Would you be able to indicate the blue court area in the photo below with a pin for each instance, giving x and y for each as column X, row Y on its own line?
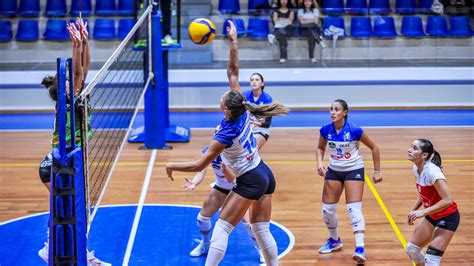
column 166, row 234
column 376, row 118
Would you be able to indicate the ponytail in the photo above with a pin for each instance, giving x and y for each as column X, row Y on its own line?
column 267, row 110
column 427, row 146
column 436, row 159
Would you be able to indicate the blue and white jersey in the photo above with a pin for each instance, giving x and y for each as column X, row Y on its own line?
column 219, row 175
column 264, row 98
column 240, row 154
column 343, row 146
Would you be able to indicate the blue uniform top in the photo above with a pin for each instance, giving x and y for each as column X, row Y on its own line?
column 264, row 98
column 343, row 146
column 240, row 153
column 221, row 180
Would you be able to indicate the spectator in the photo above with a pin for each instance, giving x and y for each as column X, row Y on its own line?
column 309, row 19
column 282, row 18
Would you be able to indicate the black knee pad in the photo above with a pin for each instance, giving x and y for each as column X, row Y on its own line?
column 434, row 251
column 45, row 168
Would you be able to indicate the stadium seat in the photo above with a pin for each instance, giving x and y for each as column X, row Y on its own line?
column 229, row 6
column 239, row 25
column 333, row 7
column 124, row 27
column 460, row 26
column 384, row 27
column 126, row 8
column 85, row 7
column 104, row 29
column 6, row 33
column 29, row 8
column 56, row 30
column 357, row 7
column 55, row 8
column 258, row 27
column 380, row 7
column 437, row 26
column 412, row 26
column 424, row 6
column 28, row 30
column 8, row 8
column 361, row 27
column 337, row 22
column 105, row 8
column 405, row 6
column 259, row 7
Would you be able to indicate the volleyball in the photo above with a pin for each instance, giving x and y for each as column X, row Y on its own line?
column 202, row 31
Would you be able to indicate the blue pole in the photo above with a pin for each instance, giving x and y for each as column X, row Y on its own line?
column 155, row 96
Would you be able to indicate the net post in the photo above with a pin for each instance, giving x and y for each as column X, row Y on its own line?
column 155, row 102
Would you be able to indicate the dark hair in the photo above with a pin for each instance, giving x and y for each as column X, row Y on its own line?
column 51, row 84
column 311, row 7
column 427, row 146
column 261, row 77
column 344, row 105
column 288, row 4
column 237, row 105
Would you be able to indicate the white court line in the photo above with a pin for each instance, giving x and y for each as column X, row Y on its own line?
column 138, row 213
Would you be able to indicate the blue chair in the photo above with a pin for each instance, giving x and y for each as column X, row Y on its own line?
column 384, row 27
column 424, row 6
column 6, row 33
column 55, row 8
column 259, row 7
column 333, row 7
column 83, row 6
column 380, row 7
column 105, row 8
column 104, row 29
column 239, row 25
column 229, row 6
column 124, row 27
column 336, row 22
column 412, row 26
column 56, row 30
column 28, row 30
column 437, row 26
column 8, row 8
column 258, row 28
column 73, row 20
column 405, row 6
column 361, row 27
column 460, row 26
column 29, row 8
column 357, row 7
column 126, row 7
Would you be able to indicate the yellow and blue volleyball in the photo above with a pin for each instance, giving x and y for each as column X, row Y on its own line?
column 202, row 31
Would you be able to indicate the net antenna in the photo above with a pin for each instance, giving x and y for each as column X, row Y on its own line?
column 110, row 103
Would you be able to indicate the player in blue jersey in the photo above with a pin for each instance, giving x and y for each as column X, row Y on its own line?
column 236, row 144
column 257, row 96
column 345, row 172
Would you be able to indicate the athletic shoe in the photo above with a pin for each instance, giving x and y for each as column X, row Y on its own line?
column 44, row 252
column 359, row 255
column 271, row 38
column 331, row 246
column 282, row 60
column 201, row 249
column 314, row 60
column 93, row 261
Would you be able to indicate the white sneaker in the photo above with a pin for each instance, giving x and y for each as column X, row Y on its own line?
column 282, row 60
column 322, row 44
column 314, row 60
column 271, row 38
column 93, row 261
column 262, row 258
column 168, row 39
column 44, row 253
column 200, row 249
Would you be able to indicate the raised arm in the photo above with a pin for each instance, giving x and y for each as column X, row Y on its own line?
column 233, row 65
column 86, row 58
column 76, row 39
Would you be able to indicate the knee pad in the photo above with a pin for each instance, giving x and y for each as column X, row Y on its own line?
column 220, row 235
column 329, row 215
column 433, row 256
column 415, row 254
column 266, row 242
column 355, row 213
column 203, row 223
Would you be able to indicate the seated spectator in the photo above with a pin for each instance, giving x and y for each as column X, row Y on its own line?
column 310, row 28
column 282, row 18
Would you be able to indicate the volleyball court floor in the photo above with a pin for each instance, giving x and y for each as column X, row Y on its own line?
column 166, row 229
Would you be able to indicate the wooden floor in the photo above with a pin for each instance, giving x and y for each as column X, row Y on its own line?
column 297, row 200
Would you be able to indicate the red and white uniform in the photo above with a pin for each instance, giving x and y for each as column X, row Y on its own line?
column 425, row 185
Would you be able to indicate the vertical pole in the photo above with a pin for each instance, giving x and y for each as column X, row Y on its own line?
column 155, row 108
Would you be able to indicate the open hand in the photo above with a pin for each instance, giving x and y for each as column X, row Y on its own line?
column 74, row 34
column 377, row 177
column 83, row 29
column 232, row 31
column 169, row 171
column 322, row 170
column 189, row 185
column 413, row 215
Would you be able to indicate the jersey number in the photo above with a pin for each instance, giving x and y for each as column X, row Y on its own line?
column 250, row 144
